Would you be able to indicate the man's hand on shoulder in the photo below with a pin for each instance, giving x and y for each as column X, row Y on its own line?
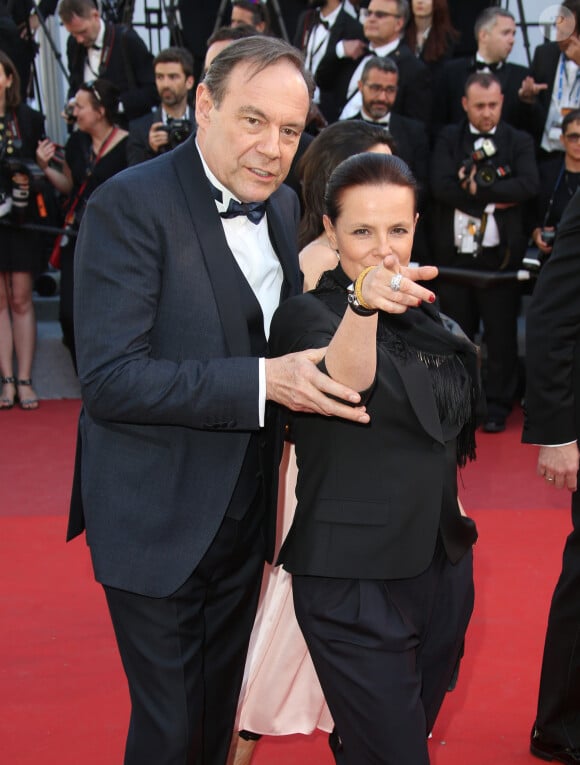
column 559, row 465
column 295, row 382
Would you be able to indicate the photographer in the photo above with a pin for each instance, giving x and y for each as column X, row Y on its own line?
column 94, row 152
column 168, row 126
column 21, row 253
column 482, row 171
column 559, row 179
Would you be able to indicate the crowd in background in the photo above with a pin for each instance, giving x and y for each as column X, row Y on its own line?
column 478, row 153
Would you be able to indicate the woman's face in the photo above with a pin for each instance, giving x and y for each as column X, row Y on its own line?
column 5, row 82
column 86, row 115
column 422, row 8
column 374, row 221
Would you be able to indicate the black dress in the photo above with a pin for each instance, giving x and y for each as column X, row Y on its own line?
column 22, row 250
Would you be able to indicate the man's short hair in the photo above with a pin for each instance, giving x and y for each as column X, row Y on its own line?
column 573, row 116
column 403, row 10
column 175, row 55
column 487, row 19
column 231, row 33
column 383, row 63
column 484, row 79
column 256, row 8
column 69, row 8
column 259, row 52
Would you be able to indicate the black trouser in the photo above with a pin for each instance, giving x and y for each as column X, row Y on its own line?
column 66, row 307
column 559, row 699
column 498, row 307
column 184, row 655
column 385, row 652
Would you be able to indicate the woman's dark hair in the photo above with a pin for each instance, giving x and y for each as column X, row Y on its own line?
column 103, row 94
column 13, row 90
column 329, row 149
column 366, row 170
column 442, row 35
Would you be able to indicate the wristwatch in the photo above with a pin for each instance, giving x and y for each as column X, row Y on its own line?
column 354, row 304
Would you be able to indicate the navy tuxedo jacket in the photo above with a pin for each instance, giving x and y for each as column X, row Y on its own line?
column 170, row 390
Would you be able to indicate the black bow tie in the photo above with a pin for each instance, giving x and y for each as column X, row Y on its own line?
column 95, row 47
column 254, row 211
column 477, row 65
column 322, row 22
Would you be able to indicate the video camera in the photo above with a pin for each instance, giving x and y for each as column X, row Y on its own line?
column 487, row 172
column 177, row 131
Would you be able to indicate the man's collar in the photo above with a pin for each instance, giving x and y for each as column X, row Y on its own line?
column 386, row 49
column 475, row 131
column 226, row 194
column 492, row 66
column 186, row 115
column 331, row 17
column 101, row 36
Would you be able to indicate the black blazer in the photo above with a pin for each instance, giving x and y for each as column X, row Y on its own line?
column 515, row 149
column 544, row 67
column 371, row 498
column 552, row 411
column 411, row 144
column 126, row 62
column 447, row 108
column 138, row 149
column 333, row 73
column 170, row 390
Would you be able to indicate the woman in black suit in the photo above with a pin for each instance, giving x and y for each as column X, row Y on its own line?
column 379, row 550
column 21, row 253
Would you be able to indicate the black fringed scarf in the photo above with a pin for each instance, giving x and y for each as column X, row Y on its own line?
column 419, row 334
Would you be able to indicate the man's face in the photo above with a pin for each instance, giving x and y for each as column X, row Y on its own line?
column 483, row 106
column 172, row 84
column 382, row 25
column 379, row 90
column 571, row 141
column 497, row 43
column 243, row 16
column 250, row 139
column 85, row 30
column 213, row 51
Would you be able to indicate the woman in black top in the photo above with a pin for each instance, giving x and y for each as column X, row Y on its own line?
column 379, row 550
column 96, row 151
column 20, row 251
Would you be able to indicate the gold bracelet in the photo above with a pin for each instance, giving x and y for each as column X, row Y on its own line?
column 358, row 288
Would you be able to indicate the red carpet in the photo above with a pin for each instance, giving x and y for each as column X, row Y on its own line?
column 63, row 699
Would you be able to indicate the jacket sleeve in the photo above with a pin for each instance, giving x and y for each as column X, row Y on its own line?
column 552, row 340
column 142, row 95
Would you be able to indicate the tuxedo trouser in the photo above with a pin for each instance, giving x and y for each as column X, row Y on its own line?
column 498, row 307
column 184, row 654
column 385, row 652
column 558, row 715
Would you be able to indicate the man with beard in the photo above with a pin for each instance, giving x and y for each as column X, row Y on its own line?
column 160, row 130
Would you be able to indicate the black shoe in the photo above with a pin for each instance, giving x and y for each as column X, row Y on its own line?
column 542, row 749
column 495, row 425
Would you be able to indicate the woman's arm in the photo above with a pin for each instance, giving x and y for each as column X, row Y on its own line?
column 351, row 357
column 61, row 179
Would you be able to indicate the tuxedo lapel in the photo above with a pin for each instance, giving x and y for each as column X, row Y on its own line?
column 282, row 238
column 214, row 248
column 417, row 382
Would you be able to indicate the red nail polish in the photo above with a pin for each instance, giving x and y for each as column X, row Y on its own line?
column 431, row 298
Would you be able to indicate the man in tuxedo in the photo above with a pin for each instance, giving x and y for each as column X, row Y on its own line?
column 378, row 87
column 249, row 13
column 384, row 22
column 495, row 32
column 553, row 86
column 552, row 418
column 111, row 51
column 482, row 172
column 181, row 263
column 163, row 129
column 327, row 24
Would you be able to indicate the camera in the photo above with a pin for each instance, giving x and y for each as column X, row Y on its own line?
column 177, row 132
column 487, row 173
